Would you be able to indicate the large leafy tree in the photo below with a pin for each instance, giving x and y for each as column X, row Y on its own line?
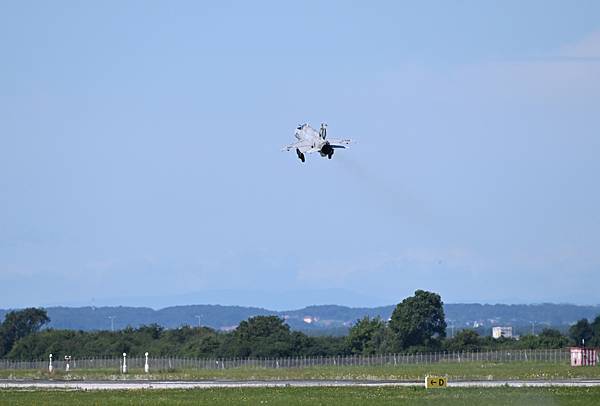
column 595, row 341
column 552, row 338
column 368, row 336
column 581, row 332
column 18, row 324
column 418, row 321
column 263, row 336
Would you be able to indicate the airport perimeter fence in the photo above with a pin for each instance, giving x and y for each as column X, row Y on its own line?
column 171, row 363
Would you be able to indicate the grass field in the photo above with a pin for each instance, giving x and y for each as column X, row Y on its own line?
column 312, row 396
column 467, row 370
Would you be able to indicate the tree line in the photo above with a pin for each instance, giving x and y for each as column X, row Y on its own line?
column 417, row 324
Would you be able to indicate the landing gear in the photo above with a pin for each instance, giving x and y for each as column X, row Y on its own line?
column 326, row 150
column 300, row 155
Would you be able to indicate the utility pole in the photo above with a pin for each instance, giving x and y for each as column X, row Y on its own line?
column 198, row 317
column 112, row 323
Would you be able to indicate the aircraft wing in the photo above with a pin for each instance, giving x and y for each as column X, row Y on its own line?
column 306, row 147
column 339, row 143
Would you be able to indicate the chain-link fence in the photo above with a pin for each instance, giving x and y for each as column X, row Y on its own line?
column 172, row 363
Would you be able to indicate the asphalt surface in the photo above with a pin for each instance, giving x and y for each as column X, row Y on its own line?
column 132, row 384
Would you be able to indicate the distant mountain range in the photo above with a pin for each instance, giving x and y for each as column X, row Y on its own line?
column 322, row 319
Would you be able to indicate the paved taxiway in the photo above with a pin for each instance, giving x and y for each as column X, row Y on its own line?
column 121, row 385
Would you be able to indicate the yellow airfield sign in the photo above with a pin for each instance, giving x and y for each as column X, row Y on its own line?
column 436, row 382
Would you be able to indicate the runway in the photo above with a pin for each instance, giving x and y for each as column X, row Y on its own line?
column 133, row 385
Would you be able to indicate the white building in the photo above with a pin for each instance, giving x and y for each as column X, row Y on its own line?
column 498, row 332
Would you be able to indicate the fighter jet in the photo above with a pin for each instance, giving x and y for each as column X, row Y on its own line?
column 311, row 140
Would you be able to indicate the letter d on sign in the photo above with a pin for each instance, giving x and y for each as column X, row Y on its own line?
column 435, row 382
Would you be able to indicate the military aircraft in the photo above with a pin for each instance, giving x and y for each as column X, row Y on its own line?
column 311, row 140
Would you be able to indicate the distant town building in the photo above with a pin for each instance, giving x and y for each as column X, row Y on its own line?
column 498, row 332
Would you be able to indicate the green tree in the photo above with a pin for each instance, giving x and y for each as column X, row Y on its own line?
column 595, row 326
column 153, row 331
column 368, row 336
column 581, row 331
column 529, row 341
column 326, row 346
column 419, row 321
column 18, row 324
column 262, row 336
column 552, row 338
column 464, row 340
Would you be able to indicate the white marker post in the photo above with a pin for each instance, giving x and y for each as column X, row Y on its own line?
column 124, row 363
column 50, row 367
column 146, row 366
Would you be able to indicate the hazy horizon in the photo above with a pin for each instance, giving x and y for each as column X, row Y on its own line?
column 168, row 302
column 296, row 300
column 140, row 152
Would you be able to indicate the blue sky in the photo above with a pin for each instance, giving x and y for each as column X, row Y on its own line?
column 140, row 153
